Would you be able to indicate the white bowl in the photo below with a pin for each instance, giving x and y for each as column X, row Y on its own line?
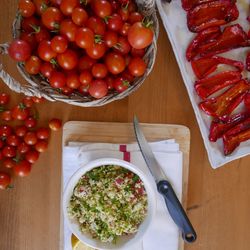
column 123, row 242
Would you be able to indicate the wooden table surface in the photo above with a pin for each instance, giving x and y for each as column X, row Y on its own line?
column 218, row 200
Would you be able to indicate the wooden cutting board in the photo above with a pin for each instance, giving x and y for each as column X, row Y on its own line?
column 112, row 132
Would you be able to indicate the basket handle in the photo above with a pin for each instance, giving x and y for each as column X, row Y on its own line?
column 14, row 84
column 148, row 7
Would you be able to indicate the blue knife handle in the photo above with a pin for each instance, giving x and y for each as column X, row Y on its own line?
column 176, row 211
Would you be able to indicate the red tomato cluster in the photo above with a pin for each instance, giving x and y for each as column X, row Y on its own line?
column 21, row 141
column 93, row 46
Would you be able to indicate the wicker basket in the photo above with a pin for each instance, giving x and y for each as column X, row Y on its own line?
column 38, row 86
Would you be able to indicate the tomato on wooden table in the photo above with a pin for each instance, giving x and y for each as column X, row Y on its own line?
column 55, row 124
column 9, row 163
column 42, row 133
column 22, row 168
column 27, row 101
column 5, row 130
column 6, row 116
column 41, row 146
column 5, row 180
column 30, row 138
column 20, row 112
column 32, row 156
column 4, row 98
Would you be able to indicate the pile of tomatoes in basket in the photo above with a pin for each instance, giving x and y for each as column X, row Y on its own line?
column 87, row 46
column 21, row 140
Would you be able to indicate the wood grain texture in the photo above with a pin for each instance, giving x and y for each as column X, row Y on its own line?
column 114, row 132
column 218, row 200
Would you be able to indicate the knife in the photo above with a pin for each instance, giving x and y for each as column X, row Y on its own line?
column 164, row 187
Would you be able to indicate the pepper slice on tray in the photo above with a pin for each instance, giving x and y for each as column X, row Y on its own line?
column 248, row 62
column 233, row 137
column 232, row 37
column 189, row 4
column 218, row 127
column 223, row 105
column 211, row 14
column 209, row 85
column 203, row 37
column 204, row 66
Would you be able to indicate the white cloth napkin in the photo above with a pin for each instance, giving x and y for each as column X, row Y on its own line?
column 163, row 233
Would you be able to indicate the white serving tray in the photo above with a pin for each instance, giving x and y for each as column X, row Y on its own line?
column 174, row 20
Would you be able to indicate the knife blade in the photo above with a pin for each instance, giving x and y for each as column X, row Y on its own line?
column 164, row 187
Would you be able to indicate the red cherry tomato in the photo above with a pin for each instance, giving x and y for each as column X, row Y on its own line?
column 43, row 133
column 115, row 5
column 115, row 63
column 121, row 84
column 97, row 25
column 137, row 66
column 22, row 168
column 30, row 138
column 45, row 51
column 67, row 6
column 26, row 8
column 68, row 60
column 137, row 52
column 84, row 38
column 30, row 122
column 41, row 34
column 9, row 163
column 21, row 130
column 46, row 69
column 33, row 65
column 4, row 98
column 84, row 89
column 28, row 23
column 101, row 8
column 37, row 99
column 125, row 28
column 98, row 89
column 13, row 140
column 122, row 45
column 109, row 81
column 41, row 6
column 27, row 101
column 124, row 13
column 85, row 77
column 127, row 76
column 59, row 44
column 99, row 70
column 5, row 130
column 79, row 16
column 9, row 151
column 110, row 38
column 85, row 62
column 140, row 36
column 6, row 116
column 68, row 29
column 135, row 17
column 23, row 148
column 41, row 146
column 19, row 50
column 51, row 18
column 32, row 156
column 67, row 90
column 57, row 79
column 72, row 81
column 55, row 124
column 114, row 22
column 20, row 112
column 4, row 180
column 132, row 6
column 96, row 51
column 29, row 38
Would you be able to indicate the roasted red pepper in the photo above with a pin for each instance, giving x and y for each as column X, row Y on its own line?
column 207, row 86
column 211, row 14
column 232, row 37
column 233, row 137
column 204, row 66
column 247, row 101
column 204, row 37
column 218, row 127
column 223, row 105
column 248, row 62
column 189, row 4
